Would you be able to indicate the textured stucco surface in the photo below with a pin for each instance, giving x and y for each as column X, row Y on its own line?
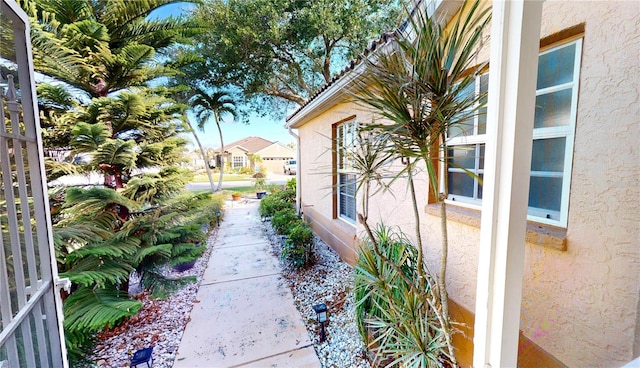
column 581, row 305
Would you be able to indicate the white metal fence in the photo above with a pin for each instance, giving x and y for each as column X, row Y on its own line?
column 29, row 304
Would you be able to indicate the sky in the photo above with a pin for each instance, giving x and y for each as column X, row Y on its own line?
column 263, row 127
column 234, row 131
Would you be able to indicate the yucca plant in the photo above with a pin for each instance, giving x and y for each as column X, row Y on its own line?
column 419, row 90
column 395, row 318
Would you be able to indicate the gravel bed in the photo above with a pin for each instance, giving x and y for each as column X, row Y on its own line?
column 329, row 281
column 159, row 323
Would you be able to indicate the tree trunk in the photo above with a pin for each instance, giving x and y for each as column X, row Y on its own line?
column 204, row 156
column 221, row 153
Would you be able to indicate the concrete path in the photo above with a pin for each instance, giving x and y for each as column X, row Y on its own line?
column 244, row 315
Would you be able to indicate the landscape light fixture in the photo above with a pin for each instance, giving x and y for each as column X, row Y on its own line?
column 321, row 314
column 142, row 358
column 218, row 215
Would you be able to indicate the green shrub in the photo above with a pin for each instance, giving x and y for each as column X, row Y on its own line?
column 271, row 204
column 291, row 184
column 298, row 249
column 287, row 195
column 284, row 220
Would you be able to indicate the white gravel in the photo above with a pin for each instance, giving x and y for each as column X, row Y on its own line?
column 329, row 281
column 161, row 323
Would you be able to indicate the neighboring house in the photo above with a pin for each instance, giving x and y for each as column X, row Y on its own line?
column 580, row 303
column 272, row 155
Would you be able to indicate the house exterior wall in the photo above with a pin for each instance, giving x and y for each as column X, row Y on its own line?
column 580, row 304
column 316, row 180
column 580, row 299
column 235, row 152
column 274, row 156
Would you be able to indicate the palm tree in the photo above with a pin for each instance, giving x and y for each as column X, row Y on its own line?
column 216, row 104
column 420, row 90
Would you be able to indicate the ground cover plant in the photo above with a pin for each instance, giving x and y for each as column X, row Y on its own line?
column 298, row 247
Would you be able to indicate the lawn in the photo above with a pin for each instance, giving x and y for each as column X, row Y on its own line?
column 244, row 191
column 202, row 178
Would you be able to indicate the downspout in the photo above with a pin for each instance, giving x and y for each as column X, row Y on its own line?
column 298, row 183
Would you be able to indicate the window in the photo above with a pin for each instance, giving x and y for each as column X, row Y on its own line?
column 554, row 126
column 238, row 161
column 345, row 137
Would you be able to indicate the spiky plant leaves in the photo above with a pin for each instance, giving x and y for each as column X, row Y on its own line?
column 54, row 98
column 153, row 189
column 56, row 169
column 116, row 153
column 420, row 90
column 95, row 200
column 92, row 309
column 162, row 251
column 88, row 137
column 395, row 319
column 169, row 151
column 185, row 252
column 161, row 286
column 113, row 247
column 102, row 272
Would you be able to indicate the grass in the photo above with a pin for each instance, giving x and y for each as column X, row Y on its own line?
column 202, row 178
column 227, row 191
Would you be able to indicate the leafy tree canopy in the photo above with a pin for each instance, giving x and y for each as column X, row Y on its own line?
column 283, row 50
column 102, row 46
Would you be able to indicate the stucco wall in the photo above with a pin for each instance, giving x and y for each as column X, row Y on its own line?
column 581, row 305
column 316, row 158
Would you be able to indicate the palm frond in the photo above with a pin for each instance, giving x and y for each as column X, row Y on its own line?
column 95, row 200
column 88, row 137
column 90, row 310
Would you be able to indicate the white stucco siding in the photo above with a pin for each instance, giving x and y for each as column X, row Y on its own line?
column 316, row 158
column 581, row 305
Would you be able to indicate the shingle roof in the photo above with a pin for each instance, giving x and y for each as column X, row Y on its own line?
column 383, row 39
column 251, row 144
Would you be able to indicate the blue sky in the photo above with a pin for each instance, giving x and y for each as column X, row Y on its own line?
column 258, row 126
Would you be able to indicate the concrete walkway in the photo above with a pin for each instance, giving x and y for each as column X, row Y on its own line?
column 244, row 315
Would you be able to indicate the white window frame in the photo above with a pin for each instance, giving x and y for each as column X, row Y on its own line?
column 345, row 144
column 474, row 139
column 559, row 218
column 242, row 161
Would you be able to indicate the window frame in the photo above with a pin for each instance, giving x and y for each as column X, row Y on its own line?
column 343, row 166
column 543, row 216
column 235, row 160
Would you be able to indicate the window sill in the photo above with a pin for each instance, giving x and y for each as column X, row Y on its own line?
column 539, row 234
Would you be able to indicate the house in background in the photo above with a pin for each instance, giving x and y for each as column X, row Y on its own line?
column 239, row 154
column 580, row 302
